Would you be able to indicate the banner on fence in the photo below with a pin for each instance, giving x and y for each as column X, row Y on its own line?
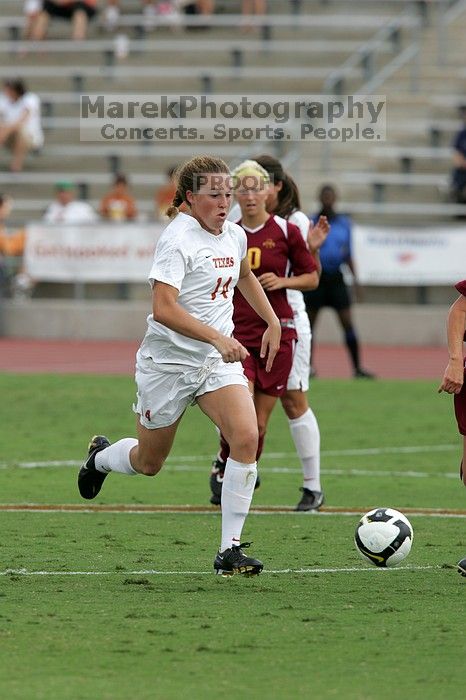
column 407, row 256
column 93, row 253
column 123, row 253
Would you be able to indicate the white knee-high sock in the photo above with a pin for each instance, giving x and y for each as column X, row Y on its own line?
column 306, row 437
column 116, row 457
column 237, row 491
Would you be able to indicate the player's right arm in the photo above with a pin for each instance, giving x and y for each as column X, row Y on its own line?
column 169, row 313
column 456, row 325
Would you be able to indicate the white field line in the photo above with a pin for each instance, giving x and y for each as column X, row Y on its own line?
column 279, row 510
column 154, row 572
column 177, row 463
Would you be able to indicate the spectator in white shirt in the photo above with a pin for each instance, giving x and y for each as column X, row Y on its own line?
column 20, row 125
column 66, row 209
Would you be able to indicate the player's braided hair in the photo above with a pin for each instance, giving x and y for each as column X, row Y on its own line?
column 186, row 178
column 288, row 195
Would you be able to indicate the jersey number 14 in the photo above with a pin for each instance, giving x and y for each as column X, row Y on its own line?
column 224, row 286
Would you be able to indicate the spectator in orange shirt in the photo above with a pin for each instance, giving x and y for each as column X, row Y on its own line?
column 12, row 244
column 119, row 204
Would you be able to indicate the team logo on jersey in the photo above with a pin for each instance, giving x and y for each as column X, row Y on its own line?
column 223, row 262
column 268, row 243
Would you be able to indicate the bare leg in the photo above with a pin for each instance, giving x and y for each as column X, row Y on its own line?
column 294, row 403
column 20, row 148
column 153, row 448
column 264, row 406
column 80, row 23
column 40, row 27
column 232, row 410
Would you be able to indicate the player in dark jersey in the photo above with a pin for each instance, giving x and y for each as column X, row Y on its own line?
column 454, row 378
column 276, row 250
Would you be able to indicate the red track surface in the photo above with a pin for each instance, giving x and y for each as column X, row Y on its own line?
column 117, row 357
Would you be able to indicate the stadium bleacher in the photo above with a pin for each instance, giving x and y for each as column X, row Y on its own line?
column 304, row 45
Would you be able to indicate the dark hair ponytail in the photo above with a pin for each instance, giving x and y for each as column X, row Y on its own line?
column 187, row 175
column 288, row 195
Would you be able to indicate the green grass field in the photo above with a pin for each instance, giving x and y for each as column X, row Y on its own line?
column 83, row 615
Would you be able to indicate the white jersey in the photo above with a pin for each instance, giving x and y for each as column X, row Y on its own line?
column 204, row 268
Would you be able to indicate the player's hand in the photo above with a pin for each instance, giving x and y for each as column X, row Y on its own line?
column 453, row 377
column 230, row 349
column 318, row 233
column 270, row 282
column 271, row 344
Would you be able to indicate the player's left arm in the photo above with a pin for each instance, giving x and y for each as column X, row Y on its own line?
column 303, row 266
column 456, row 325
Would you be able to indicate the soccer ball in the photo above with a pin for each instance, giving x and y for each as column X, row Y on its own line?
column 384, row 537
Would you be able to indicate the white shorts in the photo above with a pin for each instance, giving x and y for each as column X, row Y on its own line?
column 298, row 379
column 164, row 391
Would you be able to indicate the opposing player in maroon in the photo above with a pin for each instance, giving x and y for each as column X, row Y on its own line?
column 454, row 378
column 280, row 259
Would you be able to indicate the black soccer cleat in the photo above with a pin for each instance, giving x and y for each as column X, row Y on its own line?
column 216, row 481
column 310, row 500
column 462, row 567
column 360, row 373
column 234, row 561
column 89, row 479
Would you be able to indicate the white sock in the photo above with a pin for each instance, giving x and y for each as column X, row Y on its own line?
column 306, row 437
column 116, row 457
column 237, row 491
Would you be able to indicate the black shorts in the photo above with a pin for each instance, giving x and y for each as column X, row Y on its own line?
column 332, row 291
column 67, row 11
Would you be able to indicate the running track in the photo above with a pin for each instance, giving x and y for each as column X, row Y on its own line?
column 117, row 357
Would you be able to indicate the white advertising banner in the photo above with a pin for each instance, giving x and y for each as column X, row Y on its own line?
column 409, row 256
column 91, row 253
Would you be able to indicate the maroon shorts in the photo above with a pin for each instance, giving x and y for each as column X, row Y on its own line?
column 460, row 407
column 274, row 382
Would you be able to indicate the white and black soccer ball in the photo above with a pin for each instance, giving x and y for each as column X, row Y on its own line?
column 384, row 537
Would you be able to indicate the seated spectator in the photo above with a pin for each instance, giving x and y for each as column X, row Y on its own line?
column 20, row 125
column 32, row 10
column 459, row 162
column 66, row 209
column 164, row 195
column 119, row 204
column 78, row 12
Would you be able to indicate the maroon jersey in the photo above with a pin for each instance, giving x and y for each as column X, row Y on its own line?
column 277, row 247
column 461, row 288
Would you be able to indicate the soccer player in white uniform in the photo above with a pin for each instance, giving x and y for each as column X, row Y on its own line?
column 189, row 355
column 284, row 201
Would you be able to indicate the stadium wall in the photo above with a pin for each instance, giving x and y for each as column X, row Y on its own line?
column 382, row 324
